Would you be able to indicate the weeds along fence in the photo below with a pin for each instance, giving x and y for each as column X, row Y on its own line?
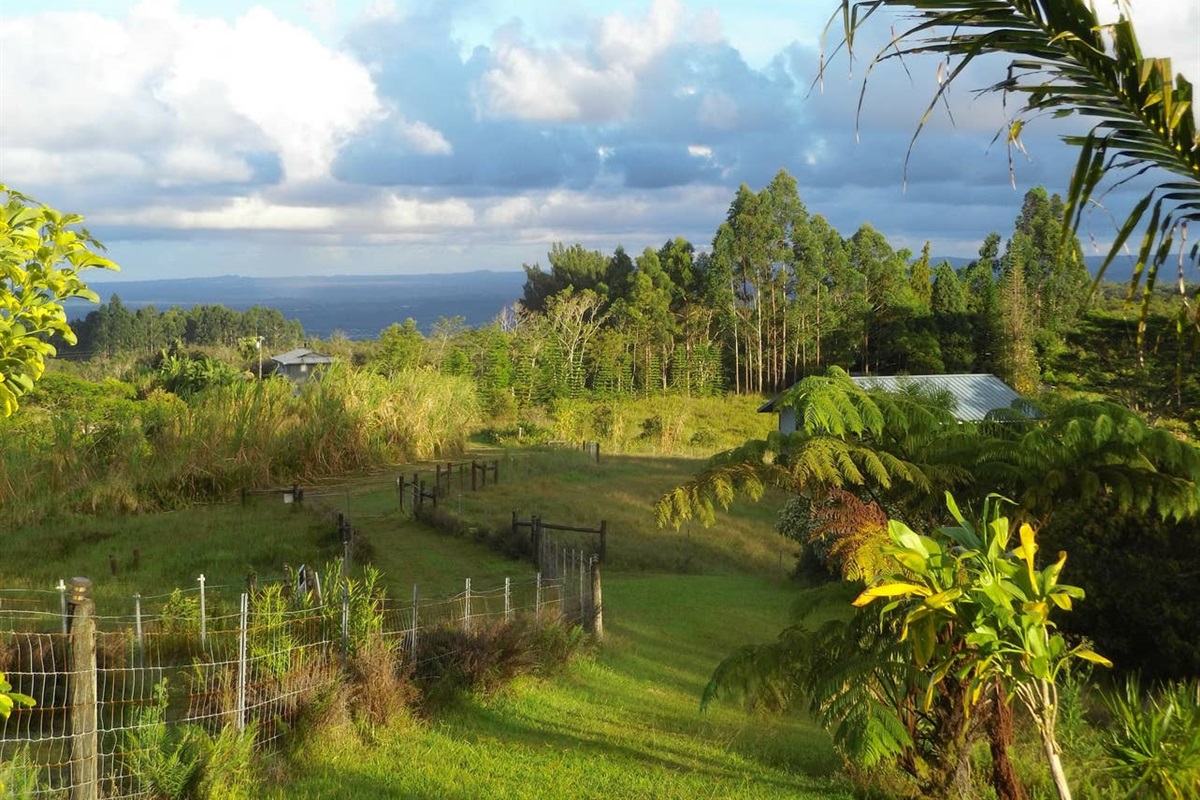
column 108, row 684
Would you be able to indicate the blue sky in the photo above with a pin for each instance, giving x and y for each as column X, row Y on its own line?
column 207, row 137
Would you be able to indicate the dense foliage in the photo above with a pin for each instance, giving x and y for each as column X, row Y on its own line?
column 42, row 252
column 114, row 329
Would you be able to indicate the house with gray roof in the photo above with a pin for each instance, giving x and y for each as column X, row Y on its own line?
column 300, row 365
column 975, row 396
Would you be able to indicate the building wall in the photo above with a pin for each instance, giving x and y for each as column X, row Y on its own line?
column 787, row 420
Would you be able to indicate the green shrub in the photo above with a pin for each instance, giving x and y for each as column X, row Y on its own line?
column 449, row 660
column 1153, row 745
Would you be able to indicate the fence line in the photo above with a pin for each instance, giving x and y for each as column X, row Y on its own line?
column 103, row 688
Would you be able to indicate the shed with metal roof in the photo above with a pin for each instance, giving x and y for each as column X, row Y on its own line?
column 301, row 364
column 975, row 395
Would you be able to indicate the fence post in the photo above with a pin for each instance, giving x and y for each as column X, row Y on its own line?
column 112, row 563
column 416, row 601
column 603, row 540
column 137, row 612
column 537, row 600
column 467, row 608
column 85, row 766
column 579, row 566
column 535, row 532
column 507, row 598
column 400, row 490
column 243, row 624
column 597, row 620
column 203, row 615
column 474, row 470
column 416, row 493
column 62, row 596
column 495, row 471
column 345, row 621
column 597, row 452
column 437, row 479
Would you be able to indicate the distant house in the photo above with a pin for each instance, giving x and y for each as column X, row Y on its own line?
column 974, row 395
column 301, row 364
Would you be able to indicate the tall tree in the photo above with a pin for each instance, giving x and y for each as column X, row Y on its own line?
column 920, row 277
column 1016, row 360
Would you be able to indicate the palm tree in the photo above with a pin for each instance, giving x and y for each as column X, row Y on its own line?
column 1066, row 62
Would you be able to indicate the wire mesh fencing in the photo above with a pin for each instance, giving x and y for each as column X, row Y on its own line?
column 108, row 689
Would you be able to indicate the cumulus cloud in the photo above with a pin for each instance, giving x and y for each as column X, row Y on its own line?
column 177, row 95
column 625, row 127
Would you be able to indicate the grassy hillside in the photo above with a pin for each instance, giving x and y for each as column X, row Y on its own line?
column 622, row 721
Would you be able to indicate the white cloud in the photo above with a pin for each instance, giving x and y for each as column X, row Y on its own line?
column 195, row 162
column 423, row 139
column 595, row 84
column 159, row 77
column 555, row 86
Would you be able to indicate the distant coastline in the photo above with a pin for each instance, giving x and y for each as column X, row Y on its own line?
column 360, row 306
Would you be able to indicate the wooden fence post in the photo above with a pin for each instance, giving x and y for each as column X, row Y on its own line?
column 85, row 766
column 474, row 470
column 597, row 605
column 400, row 490
column 416, row 504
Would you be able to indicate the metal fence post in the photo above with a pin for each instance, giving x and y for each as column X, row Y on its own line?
column 579, row 566
column 597, row 601
column 507, row 598
column 137, row 612
column 467, row 608
column 537, row 600
column 345, row 621
column 243, row 624
column 203, row 616
column 85, row 766
column 62, row 596
column 416, row 600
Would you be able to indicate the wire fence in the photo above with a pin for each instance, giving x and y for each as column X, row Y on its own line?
column 107, row 686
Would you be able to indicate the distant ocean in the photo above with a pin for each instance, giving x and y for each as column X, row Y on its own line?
column 360, row 306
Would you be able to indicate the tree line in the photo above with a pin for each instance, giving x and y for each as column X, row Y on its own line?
column 114, row 328
column 779, row 294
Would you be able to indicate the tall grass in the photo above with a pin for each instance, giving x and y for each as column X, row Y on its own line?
column 114, row 454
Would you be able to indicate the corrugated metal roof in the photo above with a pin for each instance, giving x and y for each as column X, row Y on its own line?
column 974, row 395
column 302, row 355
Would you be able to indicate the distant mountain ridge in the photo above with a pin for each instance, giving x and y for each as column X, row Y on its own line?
column 360, row 306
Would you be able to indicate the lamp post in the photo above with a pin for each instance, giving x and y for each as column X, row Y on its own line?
column 258, row 343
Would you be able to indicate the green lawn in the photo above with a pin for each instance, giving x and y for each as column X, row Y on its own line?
column 622, row 722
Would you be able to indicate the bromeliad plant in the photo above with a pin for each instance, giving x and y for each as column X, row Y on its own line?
column 978, row 612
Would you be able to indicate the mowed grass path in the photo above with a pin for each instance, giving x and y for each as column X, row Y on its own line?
column 623, row 722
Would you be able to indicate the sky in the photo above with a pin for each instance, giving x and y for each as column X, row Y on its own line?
column 294, row 137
